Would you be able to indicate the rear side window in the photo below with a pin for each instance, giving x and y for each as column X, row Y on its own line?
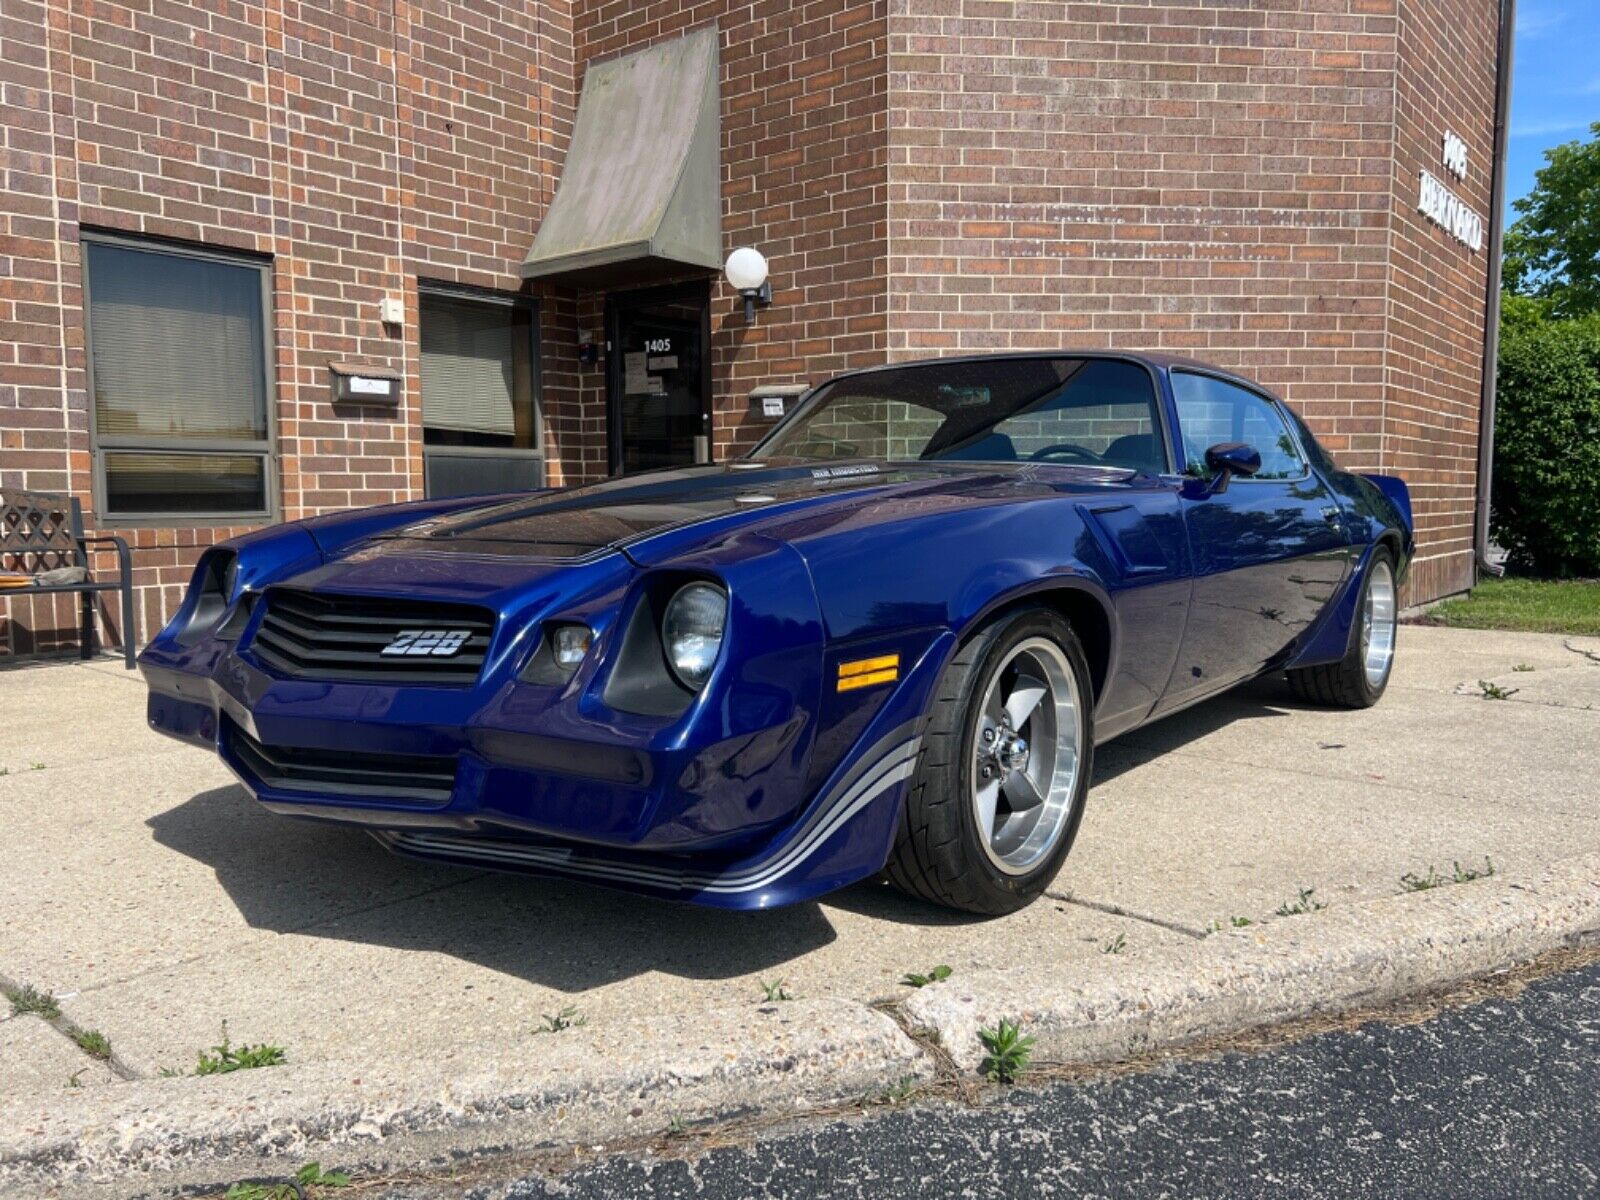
column 1212, row 410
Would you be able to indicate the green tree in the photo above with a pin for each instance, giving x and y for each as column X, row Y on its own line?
column 1552, row 250
column 1545, row 508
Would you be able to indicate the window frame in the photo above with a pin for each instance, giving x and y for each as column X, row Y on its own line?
column 438, row 289
column 1261, row 394
column 265, row 448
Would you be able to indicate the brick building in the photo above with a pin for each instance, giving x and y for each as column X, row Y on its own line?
column 260, row 260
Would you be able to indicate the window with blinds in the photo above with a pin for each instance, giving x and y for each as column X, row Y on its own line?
column 178, row 368
column 479, row 409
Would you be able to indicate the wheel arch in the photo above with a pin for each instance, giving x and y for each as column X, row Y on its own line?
column 1082, row 603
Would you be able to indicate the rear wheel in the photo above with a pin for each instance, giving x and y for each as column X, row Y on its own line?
column 1004, row 772
column 1360, row 677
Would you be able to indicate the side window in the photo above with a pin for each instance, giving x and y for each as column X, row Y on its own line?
column 1212, row 410
column 1104, row 414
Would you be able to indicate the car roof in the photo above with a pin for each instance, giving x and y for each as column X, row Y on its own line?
column 1154, row 359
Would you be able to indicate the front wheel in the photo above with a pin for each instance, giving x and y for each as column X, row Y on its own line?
column 1000, row 786
column 1360, row 677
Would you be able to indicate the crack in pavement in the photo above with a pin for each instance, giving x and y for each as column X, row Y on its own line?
column 1117, row 910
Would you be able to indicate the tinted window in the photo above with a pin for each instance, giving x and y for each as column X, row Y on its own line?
column 1096, row 412
column 1212, row 410
column 480, row 426
column 178, row 359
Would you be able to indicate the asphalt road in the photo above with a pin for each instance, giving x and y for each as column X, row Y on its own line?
column 1496, row 1100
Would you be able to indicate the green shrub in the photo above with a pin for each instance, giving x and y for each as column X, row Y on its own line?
column 1546, row 493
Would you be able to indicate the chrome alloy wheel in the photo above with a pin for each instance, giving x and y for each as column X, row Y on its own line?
column 1024, row 755
column 1378, row 623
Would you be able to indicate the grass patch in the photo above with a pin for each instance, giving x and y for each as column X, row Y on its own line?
column 28, row 999
column 916, row 979
column 1116, row 945
column 1008, row 1052
column 93, row 1043
column 1531, row 605
column 774, row 991
column 1493, row 691
column 306, row 1180
column 225, row 1057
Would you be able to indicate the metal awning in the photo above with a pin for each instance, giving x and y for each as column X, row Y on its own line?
column 640, row 194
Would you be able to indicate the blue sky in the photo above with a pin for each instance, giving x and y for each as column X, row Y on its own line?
column 1555, row 87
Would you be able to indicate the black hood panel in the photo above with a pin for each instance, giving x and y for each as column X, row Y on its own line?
column 585, row 521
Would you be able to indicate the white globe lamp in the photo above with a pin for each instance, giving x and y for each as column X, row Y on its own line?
column 746, row 271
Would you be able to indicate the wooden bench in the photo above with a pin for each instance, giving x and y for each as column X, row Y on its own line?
column 39, row 532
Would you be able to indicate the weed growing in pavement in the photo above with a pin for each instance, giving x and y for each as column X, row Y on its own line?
column 774, row 991
column 5, row 770
column 1412, row 882
column 226, row 1058
column 93, row 1043
column 29, row 999
column 1008, row 1052
column 929, row 1034
column 1493, row 691
column 1468, row 874
column 898, row 1092
column 1235, row 922
column 73, row 1079
column 677, row 1127
column 1523, row 667
column 934, row 975
column 309, row 1176
column 1304, row 904
column 1116, row 945
column 35, row 766
column 567, row 1018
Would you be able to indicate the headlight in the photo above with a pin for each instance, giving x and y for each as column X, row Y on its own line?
column 692, row 632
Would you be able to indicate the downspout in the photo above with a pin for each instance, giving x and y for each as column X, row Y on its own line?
column 1491, row 329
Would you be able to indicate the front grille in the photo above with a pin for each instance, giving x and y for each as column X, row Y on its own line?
column 407, row 778
column 308, row 635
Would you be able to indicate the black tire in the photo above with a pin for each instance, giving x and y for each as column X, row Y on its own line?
column 1345, row 684
column 938, row 855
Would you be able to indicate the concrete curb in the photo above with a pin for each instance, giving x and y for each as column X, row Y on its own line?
column 592, row 1085
column 587, row 1085
column 1339, row 958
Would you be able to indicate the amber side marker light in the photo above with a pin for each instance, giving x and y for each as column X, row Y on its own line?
column 865, row 672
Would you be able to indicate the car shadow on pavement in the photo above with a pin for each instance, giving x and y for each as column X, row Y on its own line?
column 324, row 881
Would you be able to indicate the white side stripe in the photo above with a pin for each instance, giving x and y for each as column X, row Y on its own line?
column 897, row 765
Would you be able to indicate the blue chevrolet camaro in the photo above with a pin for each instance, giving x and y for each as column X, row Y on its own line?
column 887, row 640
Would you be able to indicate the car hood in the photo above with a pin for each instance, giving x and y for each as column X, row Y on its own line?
column 634, row 513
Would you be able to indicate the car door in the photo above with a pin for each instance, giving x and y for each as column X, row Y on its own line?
column 1268, row 552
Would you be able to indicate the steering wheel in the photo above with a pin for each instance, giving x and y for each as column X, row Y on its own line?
column 1065, row 449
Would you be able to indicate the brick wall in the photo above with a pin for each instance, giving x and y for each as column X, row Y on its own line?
column 925, row 177
column 804, row 145
column 1445, row 82
column 1224, row 181
column 360, row 145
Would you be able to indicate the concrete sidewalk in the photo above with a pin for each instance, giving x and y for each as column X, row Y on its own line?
column 143, row 888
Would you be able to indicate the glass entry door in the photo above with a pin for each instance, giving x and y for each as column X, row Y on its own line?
column 658, row 377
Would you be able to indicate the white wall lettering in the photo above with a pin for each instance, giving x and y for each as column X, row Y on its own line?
column 1455, row 155
column 1448, row 211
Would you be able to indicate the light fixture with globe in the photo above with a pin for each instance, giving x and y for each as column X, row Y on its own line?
column 746, row 270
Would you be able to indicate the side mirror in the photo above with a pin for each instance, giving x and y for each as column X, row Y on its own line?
column 1227, row 459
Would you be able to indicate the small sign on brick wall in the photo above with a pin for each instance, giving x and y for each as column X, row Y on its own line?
column 355, row 383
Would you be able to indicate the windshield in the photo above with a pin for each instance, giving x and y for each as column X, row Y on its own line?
column 1090, row 411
